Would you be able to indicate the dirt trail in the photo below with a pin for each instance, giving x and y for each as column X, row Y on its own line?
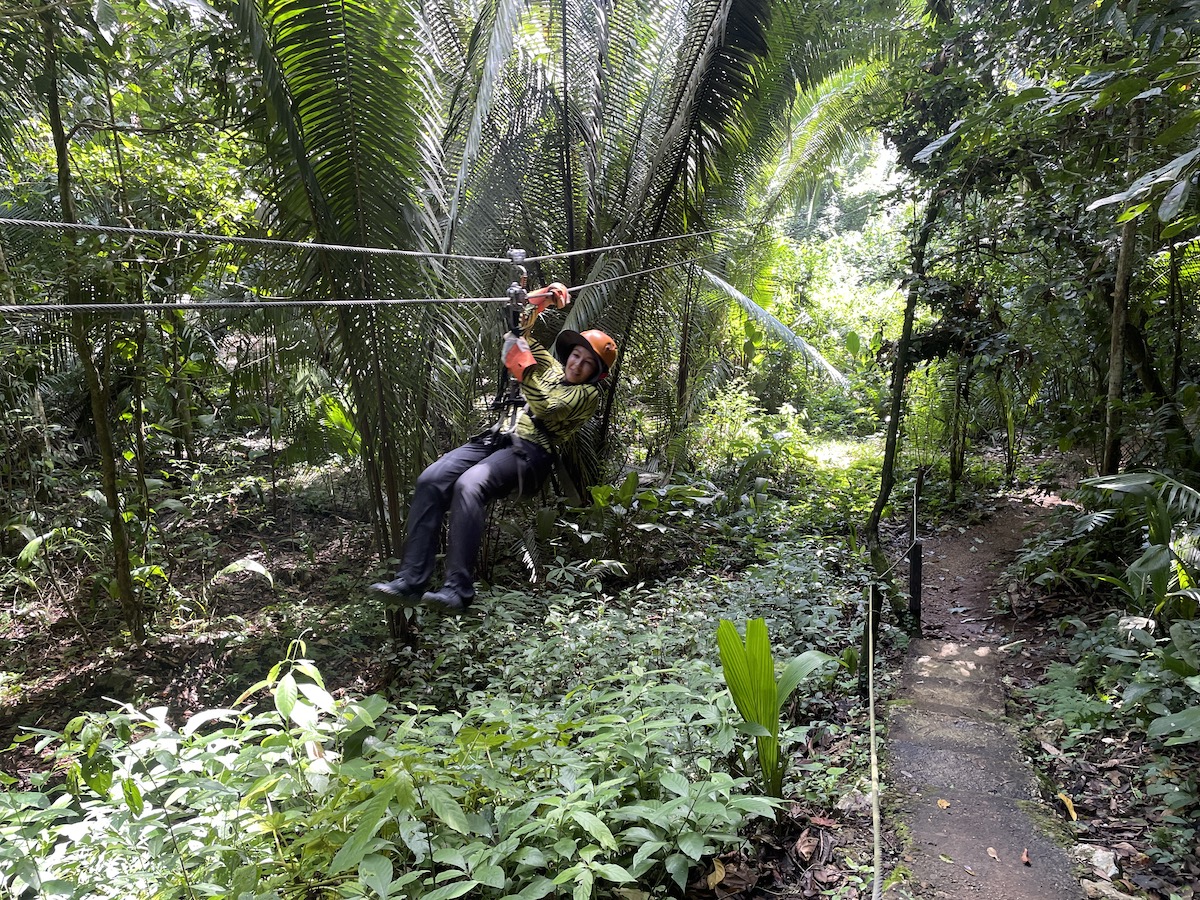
column 965, row 792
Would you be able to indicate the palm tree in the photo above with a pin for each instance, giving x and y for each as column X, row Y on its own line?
column 559, row 128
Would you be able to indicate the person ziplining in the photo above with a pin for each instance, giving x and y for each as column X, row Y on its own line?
column 552, row 395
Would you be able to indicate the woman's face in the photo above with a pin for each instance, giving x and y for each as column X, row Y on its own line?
column 580, row 367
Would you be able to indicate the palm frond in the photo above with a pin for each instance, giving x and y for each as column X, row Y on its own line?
column 773, row 325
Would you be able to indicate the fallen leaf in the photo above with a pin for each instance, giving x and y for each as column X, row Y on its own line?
column 717, row 875
column 944, row 858
column 944, row 804
column 1069, row 805
column 968, row 870
column 992, row 853
column 828, row 875
column 806, row 845
column 822, row 822
column 1025, row 857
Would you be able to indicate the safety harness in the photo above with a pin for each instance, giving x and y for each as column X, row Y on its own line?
column 510, row 402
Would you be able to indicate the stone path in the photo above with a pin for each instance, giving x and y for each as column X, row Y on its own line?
column 966, row 794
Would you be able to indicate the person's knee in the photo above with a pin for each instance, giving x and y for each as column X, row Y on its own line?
column 472, row 488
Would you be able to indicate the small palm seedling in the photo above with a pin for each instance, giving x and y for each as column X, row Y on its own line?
column 750, row 675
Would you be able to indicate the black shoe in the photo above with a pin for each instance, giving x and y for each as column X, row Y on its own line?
column 397, row 592
column 447, row 601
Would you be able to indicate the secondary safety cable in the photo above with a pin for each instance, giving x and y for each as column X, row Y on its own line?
column 276, row 243
column 26, row 308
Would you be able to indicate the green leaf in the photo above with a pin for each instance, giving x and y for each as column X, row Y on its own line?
column 318, row 696
column 612, row 872
column 489, row 876
column 675, row 782
column 1187, row 721
column 447, row 809
column 677, row 865
column 245, row 564
column 591, row 823
column 450, row 891
column 133, row 796
column 799, row 669
column 30, row 551
column 375, row 871
column 354, row 850
column 584, row 881
column 286, row 693
column 536, row 889
column 1174, row 199
column 96, row 772
column 1133, row 212
column 692, row 844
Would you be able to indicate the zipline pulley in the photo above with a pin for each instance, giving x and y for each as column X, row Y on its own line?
column 508, row 389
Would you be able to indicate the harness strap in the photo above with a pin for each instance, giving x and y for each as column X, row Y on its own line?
column 563, row 481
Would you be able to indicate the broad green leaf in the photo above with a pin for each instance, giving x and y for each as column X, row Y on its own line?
column 677, row 865
column 354, row 850
column 760, row 806
column 1133, row 212
column 536, row 889
column 799, row 669
column 318, row 696
column 927, row 152
column 584, row 882
column 447, row 809
column 612, row 872
column 450, row 891
column 30, row 551
column 692, row 844
column 675, row 782
column 1187, row 722
column 133, row 796
column 375, row 871
column 591, row 823
column 245, row 564
column 286, row 693
column 200, row 719
column 489, row 876
column 96, row 772
column 1174, row 199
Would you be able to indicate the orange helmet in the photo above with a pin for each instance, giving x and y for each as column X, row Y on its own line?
column 604, row 347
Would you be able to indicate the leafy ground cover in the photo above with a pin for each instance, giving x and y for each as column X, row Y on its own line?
column 571, row 736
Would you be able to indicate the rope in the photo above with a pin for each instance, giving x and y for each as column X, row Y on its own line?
column 247, row 241
column 27, row 308
column 333, row 248
column 645, row 243
column 236, row 304
column 684, row 262
column 876, row 823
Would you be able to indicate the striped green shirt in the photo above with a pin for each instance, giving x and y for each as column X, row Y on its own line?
column 560, row 406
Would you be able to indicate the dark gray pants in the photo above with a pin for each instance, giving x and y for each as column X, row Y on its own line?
column 465, row 481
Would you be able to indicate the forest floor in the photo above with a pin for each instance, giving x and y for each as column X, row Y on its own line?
column 995, row 774
column 322, row 565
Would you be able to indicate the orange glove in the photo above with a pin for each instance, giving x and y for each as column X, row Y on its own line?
column 554, row 294
column 517, row 356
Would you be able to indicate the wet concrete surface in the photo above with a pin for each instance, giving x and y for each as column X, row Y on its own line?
column 965, row 792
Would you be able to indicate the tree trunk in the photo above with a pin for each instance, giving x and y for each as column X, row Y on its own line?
column 1111, row 463
column 958, row 423
column 131, row 606
column 899, row 373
